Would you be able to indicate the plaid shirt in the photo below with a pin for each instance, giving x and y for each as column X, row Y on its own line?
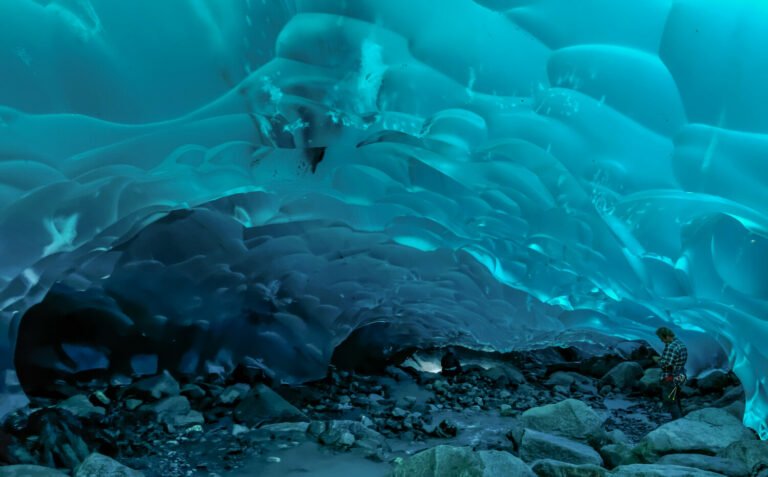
column 673, row 359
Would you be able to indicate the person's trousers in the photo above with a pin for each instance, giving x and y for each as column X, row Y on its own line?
column 671, row 396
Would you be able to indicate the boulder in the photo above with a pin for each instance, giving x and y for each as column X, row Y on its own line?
column 707, row 431
column 650, row 383
column 715, row 381
column 80, row 406
column 29, row 471
column 732, row 394
column 653, row 470
column 736, row 409
column 720, row 465
column 174, row 410
column 624, row 376
column 344, row 434
column 450, row 461
column 561, row 378
column 234, row 393
column 155, row 387
column 750, row 452
column 597, row 366
column 504, row 375
column 554, row 468
column 569, row 418
column 263, row 406
column 193, row 391
column 618, row 454
column 98, row 465
column 60, row 437
column 538, row 445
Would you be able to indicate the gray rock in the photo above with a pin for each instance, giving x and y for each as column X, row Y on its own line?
column 624, row 376
column 618, row 454
column 192, row 391
column 707, row 431
column 720, row 465
column 287, row 427
column 347, row 439
column 732, row 394
column 102, row 398
column 315, row 428
column 156, row 387
column 449, row 461
column 617, row 436
column 80, row 406
column 650, row 383
column 334, row 433
column 98, row 465
column 132, row 404
column 29, row 471
column 560, row 378
column 504, row 375
column 652, row 470
column 263, row 406
column 714, row 381
column 171, row 405
column 234, row 393
column 751, row 452
column 554, row 468
column 736, row 409
column 192, row 418
column 538, row 445
column 174, row 410
column 569, row 418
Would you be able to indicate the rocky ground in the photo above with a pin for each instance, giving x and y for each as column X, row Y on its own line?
column 551, row 412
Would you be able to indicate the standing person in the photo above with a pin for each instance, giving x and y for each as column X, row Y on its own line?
column 450, row 364
column 672, row 363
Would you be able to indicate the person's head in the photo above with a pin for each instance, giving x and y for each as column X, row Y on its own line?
column 665, row 334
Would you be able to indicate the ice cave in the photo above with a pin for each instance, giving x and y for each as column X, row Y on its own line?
column 211, row 204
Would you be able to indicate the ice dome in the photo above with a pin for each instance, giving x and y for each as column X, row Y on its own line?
column 229, row 178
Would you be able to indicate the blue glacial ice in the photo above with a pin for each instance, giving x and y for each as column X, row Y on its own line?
column 262, row 178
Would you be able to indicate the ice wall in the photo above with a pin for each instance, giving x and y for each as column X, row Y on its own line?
column 601, row 162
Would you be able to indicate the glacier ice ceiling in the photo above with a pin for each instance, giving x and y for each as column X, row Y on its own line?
column 210, row 179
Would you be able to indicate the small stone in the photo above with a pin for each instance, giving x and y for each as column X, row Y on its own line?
column 238, row 429
column 273, row 460
column 192, row 391
column 234, row 393
column 98, row 465
column 132, row 404
column 80, row 406
column 316, row 428
column 347, row 439
column 102, row 398
column 506, row 410
column 157, row 386
column 397, row 412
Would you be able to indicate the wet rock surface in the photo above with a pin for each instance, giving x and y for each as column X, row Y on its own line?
column 554, row 412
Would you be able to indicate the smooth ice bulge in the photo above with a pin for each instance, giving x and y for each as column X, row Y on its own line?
column 490, row 172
